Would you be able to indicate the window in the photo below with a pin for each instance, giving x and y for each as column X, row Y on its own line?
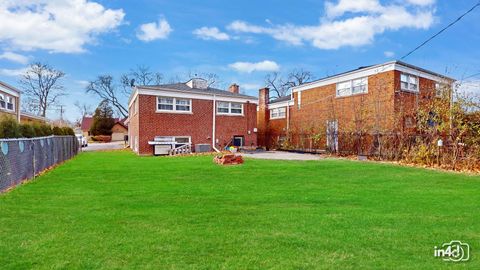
column 223, row 107
column 10, row 103
column 229, row 108
column 168, row 104
column 352, row 87
column 440, row 89
column 409, row 82
column 236, row 108
column 278, row 113
column 183, row 105
column 2, row 102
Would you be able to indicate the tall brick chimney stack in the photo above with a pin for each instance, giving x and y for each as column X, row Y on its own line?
column 234, row 88
column 263, row 116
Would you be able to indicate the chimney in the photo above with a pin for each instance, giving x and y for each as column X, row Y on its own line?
column 263, row 97
column 234, row 88
column 263, row 117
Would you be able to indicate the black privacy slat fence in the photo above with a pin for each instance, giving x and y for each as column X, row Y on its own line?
column 23, row 159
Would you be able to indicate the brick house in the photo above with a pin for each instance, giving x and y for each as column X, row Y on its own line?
column 9, row 101
column 192, row 113
column 119, row 129
column 323, row 114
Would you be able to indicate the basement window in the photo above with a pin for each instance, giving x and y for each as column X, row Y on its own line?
column 278, row 113
column 409, row 82
column 229, row 108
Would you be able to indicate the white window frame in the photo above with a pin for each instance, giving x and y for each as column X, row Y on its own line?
column 229, row 108
column 409, row 83
column 349, row 90
column 2, row 98
column 9, row 100
column 276, row 113
column 174, row 105
column 440, row 88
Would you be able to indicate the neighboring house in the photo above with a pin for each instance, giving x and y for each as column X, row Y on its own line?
column 119, row 130
column 85, row 125
column 29, row 118
column 323, row 114
column 192, row 113
column 9, row 101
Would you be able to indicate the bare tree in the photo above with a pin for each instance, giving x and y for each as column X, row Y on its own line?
column 105, row 88
column 141, row 75
column 84, row 108
column 275, row 83
column 43, row 87
column 281, row 86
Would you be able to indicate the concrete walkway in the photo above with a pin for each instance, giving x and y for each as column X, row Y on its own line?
column 104, row 146
column 281, row 155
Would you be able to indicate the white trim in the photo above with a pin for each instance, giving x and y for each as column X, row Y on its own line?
column 351, row 88
column 174, row 106
column 417, row 83
column 369, row 71
column 280, row 104
column 229, row 109
column 278, row 117
column 9, row 90
column 206, row 96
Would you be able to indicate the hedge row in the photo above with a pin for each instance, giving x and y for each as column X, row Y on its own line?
column 10, row 128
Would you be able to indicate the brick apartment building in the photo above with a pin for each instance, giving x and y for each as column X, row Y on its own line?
column 10, row 106
column 378, row 99
column 9, row 101
column 172, row 115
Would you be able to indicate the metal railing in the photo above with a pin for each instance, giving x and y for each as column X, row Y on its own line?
column 184, row 149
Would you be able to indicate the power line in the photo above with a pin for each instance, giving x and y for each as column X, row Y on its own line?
column 439, row 32
column 470, row 76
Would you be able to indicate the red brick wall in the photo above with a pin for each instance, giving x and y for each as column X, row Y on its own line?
column 366, row 112
column 198, row 124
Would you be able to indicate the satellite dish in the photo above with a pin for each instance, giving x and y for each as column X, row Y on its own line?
column 132, row 82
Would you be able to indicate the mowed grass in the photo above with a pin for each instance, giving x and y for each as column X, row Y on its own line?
column 116, row 210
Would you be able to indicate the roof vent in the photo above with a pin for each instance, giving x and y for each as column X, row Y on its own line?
column 198, row 83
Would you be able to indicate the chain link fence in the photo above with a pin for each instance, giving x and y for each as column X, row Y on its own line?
column 23, row 159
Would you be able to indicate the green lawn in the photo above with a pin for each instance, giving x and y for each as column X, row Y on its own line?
column 116, row 210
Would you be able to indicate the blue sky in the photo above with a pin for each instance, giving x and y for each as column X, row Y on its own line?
column 241, row 41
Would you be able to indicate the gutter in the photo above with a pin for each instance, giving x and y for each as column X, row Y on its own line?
column 214, row 124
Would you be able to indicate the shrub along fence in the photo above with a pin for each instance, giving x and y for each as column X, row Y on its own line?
column 23, row 159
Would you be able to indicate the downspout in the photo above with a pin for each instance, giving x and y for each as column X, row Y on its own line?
column 214, row 124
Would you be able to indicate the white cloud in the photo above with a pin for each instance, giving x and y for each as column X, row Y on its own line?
column 422, row 2
column 389, row 54
column 251, row 86
column 208, row 33
column 250, row 67
column 372, row 18
column 55, row 25
column 14, row 57
column 471, row 87
column 13, row 72
column 334, row 10
column 155, row 30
